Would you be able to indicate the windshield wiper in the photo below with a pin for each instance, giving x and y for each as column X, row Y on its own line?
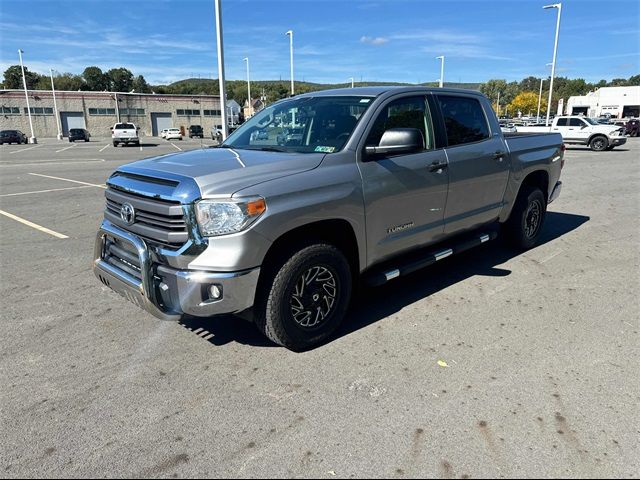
column 270, row 149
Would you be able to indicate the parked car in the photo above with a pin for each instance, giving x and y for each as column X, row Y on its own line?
column 371, row 191
column 12, row 136
column 579, row 130
column 633, row 127
column 508, row 127
column 163, row 132
column 173, row 134
column 124, row 133
column 79, row 134
column 196, row 131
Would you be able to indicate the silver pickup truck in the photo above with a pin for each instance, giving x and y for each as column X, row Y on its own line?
column 380, row 182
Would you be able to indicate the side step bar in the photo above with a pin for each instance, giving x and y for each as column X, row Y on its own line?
column 382, row 276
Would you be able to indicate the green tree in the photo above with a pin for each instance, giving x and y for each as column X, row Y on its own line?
column 69, row 82
column 618, row 82
column 140, row 85
column 120, row 79
column 13, row 78
column 95, row 79
column 634, row 81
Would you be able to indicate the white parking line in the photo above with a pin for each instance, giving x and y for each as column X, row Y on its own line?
column 7, row 164
column 104, row 147
column 44, row 191
column 175, row 146
column 67, row 148
column 23, row 150
column 68, row 180
column 32, row 225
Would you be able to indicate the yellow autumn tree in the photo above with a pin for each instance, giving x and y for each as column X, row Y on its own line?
column 527, row 104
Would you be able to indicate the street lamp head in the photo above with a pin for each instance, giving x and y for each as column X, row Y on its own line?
column 289, row 32
column 246, row 59
column 555, row 5
column 441, row 57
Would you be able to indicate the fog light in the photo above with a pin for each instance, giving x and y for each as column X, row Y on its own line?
column 215, row 292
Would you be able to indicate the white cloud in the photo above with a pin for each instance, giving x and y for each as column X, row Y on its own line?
column 374, row 41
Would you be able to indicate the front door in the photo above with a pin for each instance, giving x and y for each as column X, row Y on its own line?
column 478, row 164
column 404, row 194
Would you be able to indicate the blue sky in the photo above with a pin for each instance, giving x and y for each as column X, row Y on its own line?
column 333, row 40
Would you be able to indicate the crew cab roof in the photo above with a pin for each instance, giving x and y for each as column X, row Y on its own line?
column 376, row 91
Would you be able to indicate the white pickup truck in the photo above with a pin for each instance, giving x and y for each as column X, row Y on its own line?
column 581, row 130
column 124, row 133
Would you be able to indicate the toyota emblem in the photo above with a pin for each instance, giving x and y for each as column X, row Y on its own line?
column 127, row 213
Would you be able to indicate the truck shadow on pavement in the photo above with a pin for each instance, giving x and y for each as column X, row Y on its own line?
column 375, row 304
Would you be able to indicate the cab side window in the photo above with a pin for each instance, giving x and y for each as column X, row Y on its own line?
column 409, row 112
column 576, row 122
column 562, row 122
column 464, row 119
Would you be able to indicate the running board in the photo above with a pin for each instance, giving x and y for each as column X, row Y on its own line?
column 381, row 276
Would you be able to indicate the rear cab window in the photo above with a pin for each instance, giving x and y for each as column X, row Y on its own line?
column 124, row 126
column 464, row 119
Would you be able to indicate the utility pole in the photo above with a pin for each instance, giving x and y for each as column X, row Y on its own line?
column 290, row 33
column 223, row 92
column 250, row 109
column 55, row 105
column 555, row 53
column 32, row 139
column 441, row 57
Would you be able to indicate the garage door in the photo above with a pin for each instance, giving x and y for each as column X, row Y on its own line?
column 160, row 121
column 71, row 120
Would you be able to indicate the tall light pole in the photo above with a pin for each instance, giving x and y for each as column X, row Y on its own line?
column 26, row 95
column 55, row 105
column 223, row 92
column 498, row 105
column 540, row 96
column 250, row 109
column 290, row 33
column 555, row 52
column 441, row 58
column 351, row 81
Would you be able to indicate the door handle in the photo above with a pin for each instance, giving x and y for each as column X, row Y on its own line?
column 435, row 166
column 498, row 156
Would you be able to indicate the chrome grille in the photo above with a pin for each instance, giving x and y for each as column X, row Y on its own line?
column 158, row 221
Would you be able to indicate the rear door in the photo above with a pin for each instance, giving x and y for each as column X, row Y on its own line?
column 478, row 163
column 567, row 127
column 404, row 193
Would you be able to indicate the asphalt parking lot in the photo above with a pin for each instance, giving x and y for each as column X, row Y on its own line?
column 541, row 350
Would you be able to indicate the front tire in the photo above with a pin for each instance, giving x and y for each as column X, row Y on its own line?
column 527, row 217
column 599, row 143
column 304, row 297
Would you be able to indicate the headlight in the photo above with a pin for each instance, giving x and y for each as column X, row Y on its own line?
column 221, row 217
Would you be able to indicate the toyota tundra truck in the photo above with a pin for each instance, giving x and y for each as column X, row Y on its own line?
column 382, row 181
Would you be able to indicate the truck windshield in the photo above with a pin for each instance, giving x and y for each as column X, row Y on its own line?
column 302, row 125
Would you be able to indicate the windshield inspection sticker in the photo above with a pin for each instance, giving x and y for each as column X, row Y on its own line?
column 325, row 149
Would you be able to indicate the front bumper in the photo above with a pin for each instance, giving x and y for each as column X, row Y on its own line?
column 617, row 141
column 165, row 292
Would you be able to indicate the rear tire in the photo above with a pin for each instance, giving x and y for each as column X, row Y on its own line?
column 115, row 144
column 304, row 296
column 527, row 217
column 599, row 143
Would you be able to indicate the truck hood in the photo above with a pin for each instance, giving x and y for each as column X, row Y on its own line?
column 605, row 129
column 224, row 171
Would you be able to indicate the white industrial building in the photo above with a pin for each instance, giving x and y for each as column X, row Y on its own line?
column 617, row 102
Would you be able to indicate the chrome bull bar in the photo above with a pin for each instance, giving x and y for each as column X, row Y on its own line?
column 141, row 291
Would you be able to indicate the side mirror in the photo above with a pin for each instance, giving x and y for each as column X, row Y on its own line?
column 398, row 140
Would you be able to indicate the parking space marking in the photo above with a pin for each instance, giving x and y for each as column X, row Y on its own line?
column 66, row 148
column 68, row 180
column 8, row 164
column 104, row 147
column 175, row 146
column 23, row 150
column 32, row 225
column 44, row 191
